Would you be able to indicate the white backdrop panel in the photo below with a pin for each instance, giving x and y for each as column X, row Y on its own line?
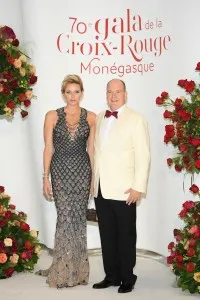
column 100, row 41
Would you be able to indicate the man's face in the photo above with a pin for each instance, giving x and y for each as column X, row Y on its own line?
column 116, row 95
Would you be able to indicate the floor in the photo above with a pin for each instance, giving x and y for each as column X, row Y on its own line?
column 155, row 281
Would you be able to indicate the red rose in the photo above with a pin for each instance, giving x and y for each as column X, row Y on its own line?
column 190, row 267
column 24, row 226
column 14, row 84
column 184, row 114
column 170, row 133
column 28, row 254
column 192, row 242
column 171, row 245
column 188, row 204
column 197, row 234
column 178, row 102
column 198, row 111
column 174, row 118
column 11, row 60
column 15, row 42
column 24, row 113
column 167, row 114
column 179, row 133
column 176, row 232
column 186, row 159
column 191, row 252
column 12, row 206
column 8, row 214
column 2, row 223
column 8, row 75
column 10, row 104
column 28, row 245
column 22, row 97
column 169, row 161
column 159, row 100
column 189, row 86
column 183, row 148
column 6, row 90
column 167, row 139
column 8, row 272
column 195, row 154
column 183, row 213
column 33, row 79
column 164, row 94
column 7, row 33
column 21, row 214
column 178, row 168
column 197, row 164
column 195, row 142
column 23, row 255
column 182, row 83
column 27, row 103
column 169, row 128
column 179, row 258
column 198, row 67
column 194, row 189
column 170, row 260
column 2, row 189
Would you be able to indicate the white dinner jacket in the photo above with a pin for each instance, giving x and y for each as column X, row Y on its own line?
column 124, row 159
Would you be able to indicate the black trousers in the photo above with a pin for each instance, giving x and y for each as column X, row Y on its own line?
column 117, row 227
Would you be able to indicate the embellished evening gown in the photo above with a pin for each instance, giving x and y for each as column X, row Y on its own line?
column 70, row 178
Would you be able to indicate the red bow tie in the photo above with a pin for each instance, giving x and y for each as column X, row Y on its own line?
column 111, row 113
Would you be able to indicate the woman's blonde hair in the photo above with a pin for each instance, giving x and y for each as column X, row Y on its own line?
column 72, row 78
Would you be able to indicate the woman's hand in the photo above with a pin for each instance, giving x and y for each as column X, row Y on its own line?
column 47, row 192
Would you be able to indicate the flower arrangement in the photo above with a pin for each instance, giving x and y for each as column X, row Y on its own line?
column 184, row 258
column 16, row 75
column 19, row 246
column 183, row 132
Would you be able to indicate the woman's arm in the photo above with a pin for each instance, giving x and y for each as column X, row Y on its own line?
column 50, row 120
column 90, row 147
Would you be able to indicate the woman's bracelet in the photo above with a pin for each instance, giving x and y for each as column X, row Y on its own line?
column 45, row 175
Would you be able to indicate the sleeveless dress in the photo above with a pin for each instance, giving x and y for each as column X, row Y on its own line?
column 70, row 177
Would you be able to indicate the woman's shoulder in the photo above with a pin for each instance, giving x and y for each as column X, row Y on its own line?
column 91, row 114
column 91, row 117
column 52, row 115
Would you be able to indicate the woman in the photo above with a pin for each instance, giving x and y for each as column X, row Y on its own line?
column 68, row 156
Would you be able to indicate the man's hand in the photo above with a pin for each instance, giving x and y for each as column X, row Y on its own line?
column 133, row 196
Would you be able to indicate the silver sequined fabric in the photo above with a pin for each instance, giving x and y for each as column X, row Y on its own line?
column 70, row 177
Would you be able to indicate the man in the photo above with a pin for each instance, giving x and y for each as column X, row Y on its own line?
column 121, row 167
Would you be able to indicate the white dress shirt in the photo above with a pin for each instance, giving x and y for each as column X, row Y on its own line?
column 108, row 123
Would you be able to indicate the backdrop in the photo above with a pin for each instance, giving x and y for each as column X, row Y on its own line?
column 148, row 44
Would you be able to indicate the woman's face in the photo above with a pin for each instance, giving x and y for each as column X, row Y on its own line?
column 72, row 94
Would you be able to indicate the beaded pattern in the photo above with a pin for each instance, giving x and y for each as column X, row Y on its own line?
column 70, row 177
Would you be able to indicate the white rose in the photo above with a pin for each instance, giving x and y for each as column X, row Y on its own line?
column 37, row 250
column 34, row 233
column 23, row 58
column 8, row 242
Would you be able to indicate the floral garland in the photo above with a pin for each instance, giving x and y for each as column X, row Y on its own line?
column 19, row 246
column 183, row 133
column 16, row 75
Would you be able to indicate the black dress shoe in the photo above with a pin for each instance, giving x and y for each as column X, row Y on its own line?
column 127, row 287
column 104, row 284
